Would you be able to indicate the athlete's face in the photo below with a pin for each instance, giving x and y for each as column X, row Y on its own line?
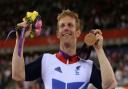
column 67, row 30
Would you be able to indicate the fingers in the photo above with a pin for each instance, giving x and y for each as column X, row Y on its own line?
column 23, row 20
column 99, row 37
column 22, row 24
column 96, row 31
column 99, row 34
column 27, row 27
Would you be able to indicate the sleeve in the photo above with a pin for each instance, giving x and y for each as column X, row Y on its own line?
column 33, row 70
column 96, row 77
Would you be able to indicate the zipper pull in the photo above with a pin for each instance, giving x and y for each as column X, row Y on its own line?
column 67, row 61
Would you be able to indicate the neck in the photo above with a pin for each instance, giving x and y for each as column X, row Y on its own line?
column 68, row 49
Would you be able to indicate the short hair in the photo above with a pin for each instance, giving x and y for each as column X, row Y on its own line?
column 71, row 14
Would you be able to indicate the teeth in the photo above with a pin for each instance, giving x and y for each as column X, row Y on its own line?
column 66, row 34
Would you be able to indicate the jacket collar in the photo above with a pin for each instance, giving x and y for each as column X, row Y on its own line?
column 66, row 59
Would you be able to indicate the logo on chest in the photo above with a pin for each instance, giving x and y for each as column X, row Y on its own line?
column 58, row 69
column 77, row 70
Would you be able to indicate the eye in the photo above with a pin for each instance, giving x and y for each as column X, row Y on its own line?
column 62, row 25
column 70, row 25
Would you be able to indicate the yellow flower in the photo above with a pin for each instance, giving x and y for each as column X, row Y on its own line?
column 29, row 14
column 32, row 15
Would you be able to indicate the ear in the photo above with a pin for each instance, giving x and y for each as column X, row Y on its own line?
column 78, row 33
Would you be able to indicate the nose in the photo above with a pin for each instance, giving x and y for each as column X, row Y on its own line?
column 66, row 30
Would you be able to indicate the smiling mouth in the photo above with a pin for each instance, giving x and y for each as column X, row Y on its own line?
column 66, row 34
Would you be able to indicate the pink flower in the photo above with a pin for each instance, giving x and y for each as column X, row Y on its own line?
column 38, row 27
column 38, row 24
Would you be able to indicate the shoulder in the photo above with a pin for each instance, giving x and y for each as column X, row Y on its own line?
column 48, row 56
column 88, row 64
column 88, row 61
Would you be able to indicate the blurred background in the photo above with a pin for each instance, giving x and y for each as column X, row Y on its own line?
column 111, row 16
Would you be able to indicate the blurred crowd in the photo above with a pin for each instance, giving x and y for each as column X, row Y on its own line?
column 93, row 13
column 103, row 14
column 5, row 71
column 117, row 55
column 6, row 81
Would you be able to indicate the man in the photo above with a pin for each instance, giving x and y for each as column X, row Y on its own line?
column 65, row 70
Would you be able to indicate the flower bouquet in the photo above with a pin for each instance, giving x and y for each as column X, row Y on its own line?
column 33, row 19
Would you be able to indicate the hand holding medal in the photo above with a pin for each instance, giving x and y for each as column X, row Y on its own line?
column 91, row 39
